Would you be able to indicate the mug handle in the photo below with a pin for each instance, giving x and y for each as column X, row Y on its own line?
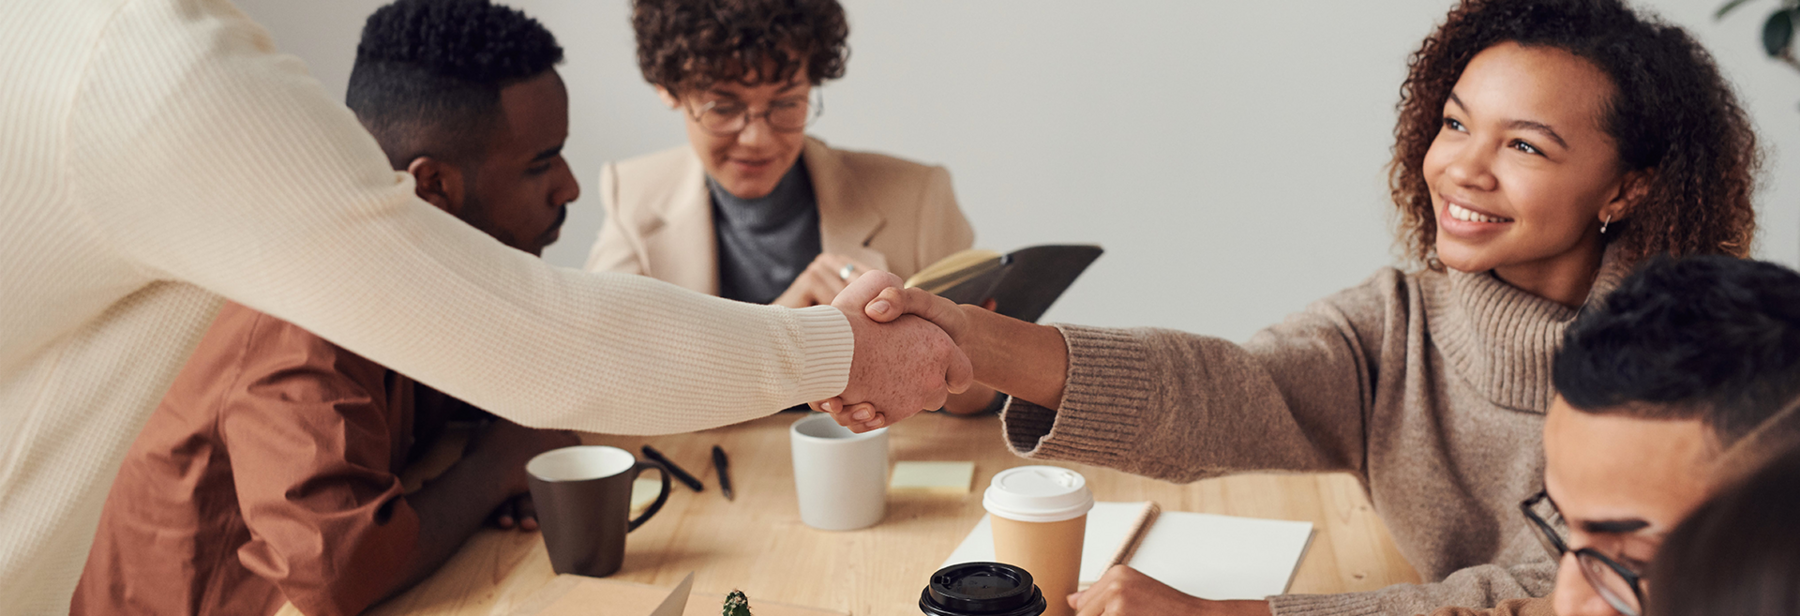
column 639, row 469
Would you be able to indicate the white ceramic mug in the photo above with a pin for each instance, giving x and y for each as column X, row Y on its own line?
column 840, row 476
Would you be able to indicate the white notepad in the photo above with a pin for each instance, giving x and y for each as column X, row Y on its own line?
column 1209, row 556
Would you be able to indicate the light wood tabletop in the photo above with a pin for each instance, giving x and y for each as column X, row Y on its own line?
column 758, row 544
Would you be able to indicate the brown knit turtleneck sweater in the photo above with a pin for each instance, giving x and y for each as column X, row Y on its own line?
column 1431, row 388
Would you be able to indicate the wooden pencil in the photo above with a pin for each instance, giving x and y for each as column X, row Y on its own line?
column 1138, row 530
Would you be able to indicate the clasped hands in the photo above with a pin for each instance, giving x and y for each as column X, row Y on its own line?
column 910, row 357
column 906, row 356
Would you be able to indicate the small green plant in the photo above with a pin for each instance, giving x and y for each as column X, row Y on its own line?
column 736, row 604
column 1777, row 31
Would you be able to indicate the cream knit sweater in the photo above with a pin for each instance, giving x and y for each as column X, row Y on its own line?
column 157, row 155
column 1430, row 388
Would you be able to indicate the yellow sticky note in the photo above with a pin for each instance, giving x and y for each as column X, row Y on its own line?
column 643, row 492
column 936, row 478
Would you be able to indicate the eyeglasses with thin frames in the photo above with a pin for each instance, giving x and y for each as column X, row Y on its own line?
column 1618, row 585
column 726, row 118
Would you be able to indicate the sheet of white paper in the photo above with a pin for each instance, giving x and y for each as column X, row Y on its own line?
column 1222, row 557
column 676, row 602
column 1205, row 555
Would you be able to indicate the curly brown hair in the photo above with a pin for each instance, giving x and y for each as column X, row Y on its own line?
column 688, row 45
column 1671, row 113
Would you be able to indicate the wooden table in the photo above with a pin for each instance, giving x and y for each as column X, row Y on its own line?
column 758, row 544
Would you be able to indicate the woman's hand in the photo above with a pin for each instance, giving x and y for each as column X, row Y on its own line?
column 821, row 281
column 1123, row 591
column 892, row 303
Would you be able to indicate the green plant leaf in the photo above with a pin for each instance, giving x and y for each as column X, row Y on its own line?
column 1727, row 8
column 1778, row 33
column 736, row 604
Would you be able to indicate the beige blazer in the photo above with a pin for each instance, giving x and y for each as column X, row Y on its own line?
column 886, row 212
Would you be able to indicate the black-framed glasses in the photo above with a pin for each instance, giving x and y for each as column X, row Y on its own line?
column 1618, row 585
column 724, row 118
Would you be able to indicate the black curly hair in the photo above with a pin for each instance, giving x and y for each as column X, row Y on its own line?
column 689, row 45
column 1672, row 113
column 1708, row 337
column 428, row 74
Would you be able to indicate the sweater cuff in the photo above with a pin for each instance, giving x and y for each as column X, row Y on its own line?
column 1106, row 389
column 826, row 348
column 1351, row 604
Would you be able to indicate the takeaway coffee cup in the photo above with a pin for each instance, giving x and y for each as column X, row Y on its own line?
column 981, row 589
column 1039, row 515
column 840, row 476
column 583, row 498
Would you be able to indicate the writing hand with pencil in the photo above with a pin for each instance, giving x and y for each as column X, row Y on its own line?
column 1123, row 591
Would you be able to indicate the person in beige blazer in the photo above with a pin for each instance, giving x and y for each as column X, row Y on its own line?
column 754, row 209
column 875, row 212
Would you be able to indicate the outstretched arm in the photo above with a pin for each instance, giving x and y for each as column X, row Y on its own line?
column 203, row 156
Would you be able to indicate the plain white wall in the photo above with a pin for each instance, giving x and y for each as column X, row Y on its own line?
column 1228, row 155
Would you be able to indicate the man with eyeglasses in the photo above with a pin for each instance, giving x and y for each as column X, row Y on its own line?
column 755, row 210
column 1687, row 376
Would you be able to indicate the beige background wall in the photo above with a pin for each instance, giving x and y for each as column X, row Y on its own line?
column 1228, row 155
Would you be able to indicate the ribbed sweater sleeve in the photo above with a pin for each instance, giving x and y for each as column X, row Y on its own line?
column 206, row 157
column 1183, row 407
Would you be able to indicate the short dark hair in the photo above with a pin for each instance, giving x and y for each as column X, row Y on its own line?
column 1672, row 112
column 687, row 45
column 428, row 74
column 1709, row 337
column 1737, row 554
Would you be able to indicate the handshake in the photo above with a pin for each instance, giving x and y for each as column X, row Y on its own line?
column 907, row 357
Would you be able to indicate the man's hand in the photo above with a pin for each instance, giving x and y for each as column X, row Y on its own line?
column 508, row 445
column 486, row 485
column 1026, row 360
column 900, row 368
column 888, row 305
column 821, row 281
column 1124, row 591
column 518, row 511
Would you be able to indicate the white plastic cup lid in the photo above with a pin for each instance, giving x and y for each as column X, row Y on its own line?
column 1038, row 494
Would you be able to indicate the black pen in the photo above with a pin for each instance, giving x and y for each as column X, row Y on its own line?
column 720, row 463
column 674, row 471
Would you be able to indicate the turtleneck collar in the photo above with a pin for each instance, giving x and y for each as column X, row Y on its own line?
column 791, row 198
column 1502, row 340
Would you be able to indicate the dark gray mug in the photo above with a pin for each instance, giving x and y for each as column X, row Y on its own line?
column 583, row 498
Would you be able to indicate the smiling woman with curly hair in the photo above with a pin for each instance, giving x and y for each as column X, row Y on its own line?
column 1543, row 148
column 1665, row 112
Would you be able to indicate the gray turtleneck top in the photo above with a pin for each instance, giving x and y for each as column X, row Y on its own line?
column 766, row 242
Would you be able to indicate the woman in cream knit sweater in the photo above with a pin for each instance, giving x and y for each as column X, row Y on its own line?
column 1544, row 146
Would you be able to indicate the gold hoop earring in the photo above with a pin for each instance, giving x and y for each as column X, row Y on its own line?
column 1605, row 222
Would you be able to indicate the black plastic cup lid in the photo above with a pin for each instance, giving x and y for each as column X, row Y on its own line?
column 981, row 589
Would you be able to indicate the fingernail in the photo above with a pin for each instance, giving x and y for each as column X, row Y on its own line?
column 881, row 306
column 862, row 415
